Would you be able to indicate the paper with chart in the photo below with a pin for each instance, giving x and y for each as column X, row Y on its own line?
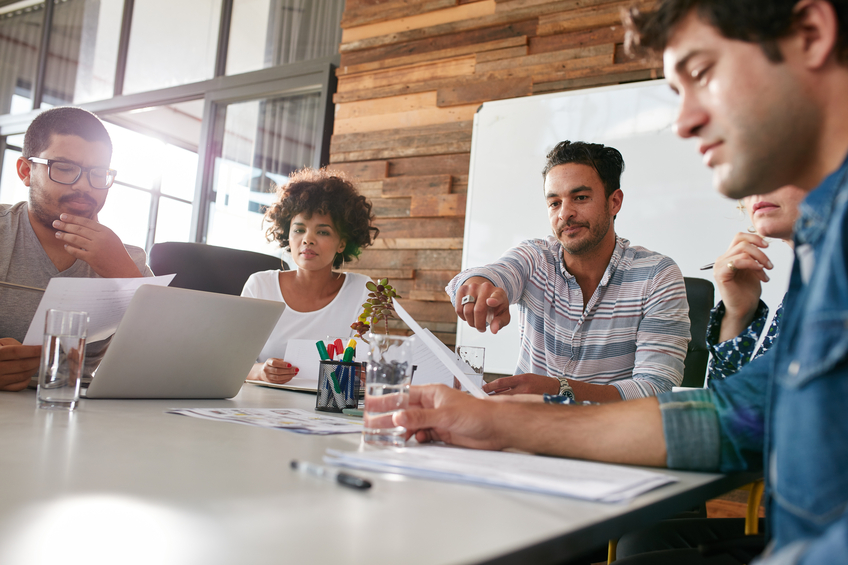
column 105, row 300
column 587, row 480
column 291, row 419
column 441, row 351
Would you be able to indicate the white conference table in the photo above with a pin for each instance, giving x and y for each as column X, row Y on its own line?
column 120, row 481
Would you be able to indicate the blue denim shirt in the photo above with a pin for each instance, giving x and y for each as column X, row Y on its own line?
column 787, row 411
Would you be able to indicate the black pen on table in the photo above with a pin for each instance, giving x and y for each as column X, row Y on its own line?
column 707, row 267
column 340, row 477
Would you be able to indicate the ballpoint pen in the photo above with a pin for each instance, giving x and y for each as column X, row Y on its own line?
column 340, row 477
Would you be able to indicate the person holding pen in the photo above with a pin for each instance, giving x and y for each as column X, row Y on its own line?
column 324, row 222
column 739, row 318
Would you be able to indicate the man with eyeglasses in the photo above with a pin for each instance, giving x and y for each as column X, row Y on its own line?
column 65, row 164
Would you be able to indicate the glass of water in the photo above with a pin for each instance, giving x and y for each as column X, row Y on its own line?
column 387, row 380
column 62, row 359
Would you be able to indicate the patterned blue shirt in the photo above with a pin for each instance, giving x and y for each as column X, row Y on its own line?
column 727, row 357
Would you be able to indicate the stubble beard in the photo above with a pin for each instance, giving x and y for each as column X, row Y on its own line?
column 40, row 202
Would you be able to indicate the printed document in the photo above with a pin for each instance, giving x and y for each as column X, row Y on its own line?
column 588, row 480
column 292, row 419
column 105, row 301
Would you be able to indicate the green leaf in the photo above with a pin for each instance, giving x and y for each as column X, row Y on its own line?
column 384, row 282
column 371, row 286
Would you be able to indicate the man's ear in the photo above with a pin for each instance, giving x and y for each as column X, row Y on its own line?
column 615, row 200
column 24, row 169
column 815, row 33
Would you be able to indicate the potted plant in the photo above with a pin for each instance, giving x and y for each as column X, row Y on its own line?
column 378, row 308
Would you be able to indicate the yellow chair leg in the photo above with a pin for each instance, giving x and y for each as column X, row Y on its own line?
column 752, row 517
column 613, row 543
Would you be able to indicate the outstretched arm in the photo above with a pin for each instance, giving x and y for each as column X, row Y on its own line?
column 629, row 432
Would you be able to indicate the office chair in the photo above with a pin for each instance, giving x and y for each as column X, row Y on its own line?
column 208, row 267
column 700, row 294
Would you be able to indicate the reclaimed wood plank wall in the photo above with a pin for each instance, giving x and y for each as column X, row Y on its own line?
column 412, row 75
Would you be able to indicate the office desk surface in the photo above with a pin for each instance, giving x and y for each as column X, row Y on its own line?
column 120, row 481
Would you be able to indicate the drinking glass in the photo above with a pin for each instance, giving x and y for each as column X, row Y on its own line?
column 475, row 358
column 387, row 380
column 62, row 359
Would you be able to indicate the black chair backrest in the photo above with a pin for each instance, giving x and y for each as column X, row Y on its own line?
column 208, row 267
column 700, row 294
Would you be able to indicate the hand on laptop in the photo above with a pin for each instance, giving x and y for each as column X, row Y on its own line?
column 276, row 371
column 527, row 383
column 18, row 363
column 97, row 245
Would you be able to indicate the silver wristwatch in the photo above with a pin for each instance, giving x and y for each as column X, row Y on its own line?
column 565, row 388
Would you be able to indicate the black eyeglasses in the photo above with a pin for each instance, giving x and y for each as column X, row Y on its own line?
column 69, row 173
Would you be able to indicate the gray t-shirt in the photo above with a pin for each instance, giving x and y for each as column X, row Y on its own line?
column 24, row 261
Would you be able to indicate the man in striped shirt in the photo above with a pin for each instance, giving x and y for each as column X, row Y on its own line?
column 600, row 320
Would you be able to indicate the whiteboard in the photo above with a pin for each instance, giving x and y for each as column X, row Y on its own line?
column 669, row 206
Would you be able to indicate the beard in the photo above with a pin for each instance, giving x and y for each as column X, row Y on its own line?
column 46, row 209
column 597, row 232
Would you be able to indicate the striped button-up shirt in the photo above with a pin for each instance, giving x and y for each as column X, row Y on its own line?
column 632, row 334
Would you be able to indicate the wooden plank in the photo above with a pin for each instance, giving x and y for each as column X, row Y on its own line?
column 433, row 295
column 398, row 187
column 395, row 142
column 448, row 41
column 499, row 54
column 498, row 19
column 419, row 21
column 423, row 117
column 459, row 66
column 438, row 205
column 358, row 15
column 433, row 280
column 391, row 208
column 403, row 151
column 417, row 166
column 390, row 105
column 549, row 72
column 460, row 184
column 430, row 311
column 475, row 48
column 415, row 228
column 370, row 170
column 377, row 274
column 587, row 18
column 605, row 50
column 597, row 80
column 503, row 6
column 370, row 189
column 584, row 38
column 439, row 259
column 418, row 243
column 483, row 91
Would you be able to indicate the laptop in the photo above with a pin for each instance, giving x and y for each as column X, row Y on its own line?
column 179, row 343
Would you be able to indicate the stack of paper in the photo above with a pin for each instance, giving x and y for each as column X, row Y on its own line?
column 292, row 419
column 549, row 475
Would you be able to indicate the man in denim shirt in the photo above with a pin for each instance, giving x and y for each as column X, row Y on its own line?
column 763, row 84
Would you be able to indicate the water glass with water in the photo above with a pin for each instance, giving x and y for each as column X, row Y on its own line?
column 62, row 359
column 388, row 376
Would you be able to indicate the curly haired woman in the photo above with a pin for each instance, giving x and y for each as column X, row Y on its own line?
column 324, row 222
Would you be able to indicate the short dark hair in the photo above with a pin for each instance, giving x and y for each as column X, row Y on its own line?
column 754, row 21
column 326, row 192
column 607, row 161
column 63, row 120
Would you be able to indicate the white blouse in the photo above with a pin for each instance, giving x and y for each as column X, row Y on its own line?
column 333, row 320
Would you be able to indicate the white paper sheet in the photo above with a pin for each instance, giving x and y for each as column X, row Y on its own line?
column 105, row 300
column 448, row 358
column 599, row 482
column 292, row 419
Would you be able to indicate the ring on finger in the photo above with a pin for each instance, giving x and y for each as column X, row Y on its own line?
column 468, row 299
column 731, row 267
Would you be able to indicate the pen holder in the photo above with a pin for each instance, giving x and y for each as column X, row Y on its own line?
column 338, row 386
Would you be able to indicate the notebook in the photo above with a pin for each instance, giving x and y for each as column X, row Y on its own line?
column 179, row 343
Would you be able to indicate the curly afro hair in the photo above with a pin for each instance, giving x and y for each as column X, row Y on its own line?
column 326, row 192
